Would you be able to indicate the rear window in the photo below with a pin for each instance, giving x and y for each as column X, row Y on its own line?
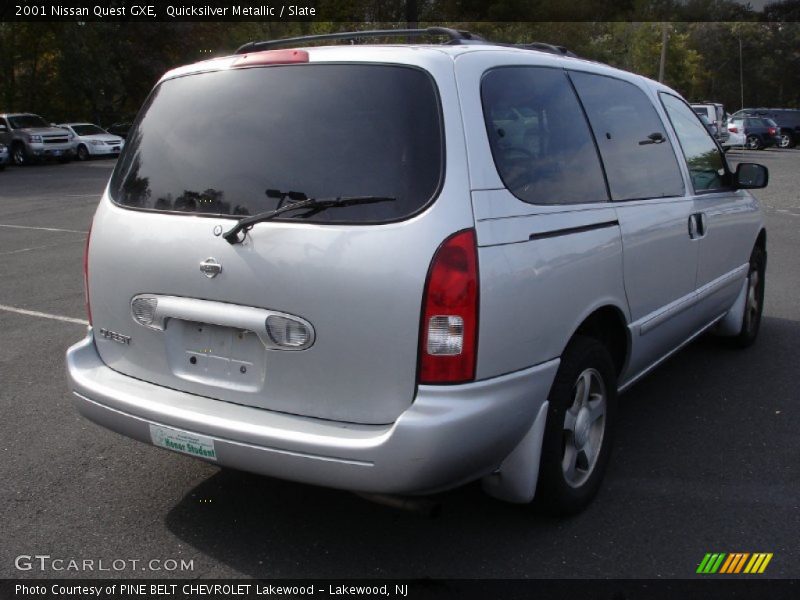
column 214, row 143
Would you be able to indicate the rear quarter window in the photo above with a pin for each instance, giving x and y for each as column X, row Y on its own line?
column 540, row 140
column 214, row 143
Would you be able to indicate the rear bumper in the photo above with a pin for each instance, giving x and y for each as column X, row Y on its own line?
column 450, row 434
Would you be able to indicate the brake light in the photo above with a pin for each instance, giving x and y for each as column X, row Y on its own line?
column 271, row 57
column 86, row 274
column 772, row 130
column 449, row 326
column 733, row 129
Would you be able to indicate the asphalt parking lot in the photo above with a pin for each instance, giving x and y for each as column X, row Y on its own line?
column 706, row 456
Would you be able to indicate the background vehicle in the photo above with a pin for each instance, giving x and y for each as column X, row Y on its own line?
column 91, row 140
column 354, row 311
column 120, row 129
column 712, row 129
column 5, row 156
column 715, row 113
column 31, row 138
column 759, row 133
column 736, row 135
column 787, row 119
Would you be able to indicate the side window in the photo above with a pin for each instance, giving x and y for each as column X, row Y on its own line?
column 706, row 163
column 637, row 154
column 540, row 141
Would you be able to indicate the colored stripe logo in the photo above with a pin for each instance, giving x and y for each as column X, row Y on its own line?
column 734, row 563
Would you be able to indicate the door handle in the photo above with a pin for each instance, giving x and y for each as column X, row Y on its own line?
column 702, row 224
column 693, row 227
column 697, row 226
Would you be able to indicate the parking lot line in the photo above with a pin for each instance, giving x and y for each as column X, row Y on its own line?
column 43, row 228
column 43, row 315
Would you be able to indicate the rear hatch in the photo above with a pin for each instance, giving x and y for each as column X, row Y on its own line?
column 174, row 303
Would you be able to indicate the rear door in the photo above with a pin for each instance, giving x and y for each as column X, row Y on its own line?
column 175, row 304
column 653, row 209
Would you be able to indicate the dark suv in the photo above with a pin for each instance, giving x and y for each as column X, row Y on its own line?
column 788, row 120
column 759, row 132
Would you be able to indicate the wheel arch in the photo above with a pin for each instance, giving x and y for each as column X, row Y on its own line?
column 608, row 325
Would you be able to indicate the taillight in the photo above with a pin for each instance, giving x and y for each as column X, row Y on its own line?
column 271, row 57
column 449, row 327
column 733, row 130
column 86, row 274
column 772, row 130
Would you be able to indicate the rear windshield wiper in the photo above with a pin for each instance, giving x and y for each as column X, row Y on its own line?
column 315, row 204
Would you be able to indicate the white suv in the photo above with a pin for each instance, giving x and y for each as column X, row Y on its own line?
column 397, row 269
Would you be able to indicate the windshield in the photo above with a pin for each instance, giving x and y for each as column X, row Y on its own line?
column 87, row 130
column 27, row 121
column 214, row 143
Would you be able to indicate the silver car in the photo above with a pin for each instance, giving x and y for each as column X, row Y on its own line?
column 31, row 139
column 399, row 269
column 91, row 140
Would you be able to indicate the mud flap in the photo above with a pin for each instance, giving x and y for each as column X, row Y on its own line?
column 515, row 480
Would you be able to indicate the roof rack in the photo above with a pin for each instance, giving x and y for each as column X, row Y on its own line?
column 542, row 47
column 456, row 37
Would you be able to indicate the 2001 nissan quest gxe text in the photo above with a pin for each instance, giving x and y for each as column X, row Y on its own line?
column 395, row 269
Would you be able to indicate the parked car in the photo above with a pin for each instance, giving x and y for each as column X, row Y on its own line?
column 120, row 129
column 759, row 133
column 92, row 140
column 736, row 135
column 715, row 113
column 31, row 138
column 787, row 119
column 712, row 129
column 5, row 156
column 315, row 293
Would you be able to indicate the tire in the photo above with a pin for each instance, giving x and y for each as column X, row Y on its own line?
column 83, row 153
column 754, row 304
column 579, row 430
column 753, row 142
column 785, row 140
column 19, row 155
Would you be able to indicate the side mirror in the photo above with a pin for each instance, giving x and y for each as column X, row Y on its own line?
column 751, row 176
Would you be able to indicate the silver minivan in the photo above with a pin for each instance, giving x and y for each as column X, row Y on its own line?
column 396, row 269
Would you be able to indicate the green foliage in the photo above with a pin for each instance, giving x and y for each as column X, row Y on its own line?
column 102, row 72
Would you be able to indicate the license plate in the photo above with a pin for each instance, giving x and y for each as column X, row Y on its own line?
column 56, row 152
column 183, row 441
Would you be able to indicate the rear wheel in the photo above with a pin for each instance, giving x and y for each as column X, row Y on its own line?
column 785, row 140
column 753, row 142
column 578, row 433
column 754, row 303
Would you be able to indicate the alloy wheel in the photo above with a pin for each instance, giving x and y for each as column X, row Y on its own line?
column 584, row 426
